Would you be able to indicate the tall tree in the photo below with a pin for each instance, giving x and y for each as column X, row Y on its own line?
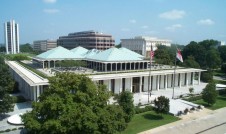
column 74, row 104
column 213, row 60
column 125, row 100
column 190, row 62
column 209, row 93
column 162, row 105
column 26, row 48
column 6, row 101
column 222, row 51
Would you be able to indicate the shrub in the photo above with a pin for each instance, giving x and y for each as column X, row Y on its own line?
column 186, row 110
column 14, row 129
column 209, row 93
column 162, row 105
column 179, row 113
column 139, row 110
column 194, row 98
column 7, row 130
column 199, row 107
column 191, row 90
column 19, row 99
column 193, row 108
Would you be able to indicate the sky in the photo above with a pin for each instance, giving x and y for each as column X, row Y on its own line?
column 181, row 21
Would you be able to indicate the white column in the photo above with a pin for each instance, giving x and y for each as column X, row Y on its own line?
column 134, row 66
column 48, row 64
column 105, row 67
column 199, row 78
column 131, row 84
column 166, row 81
column 140, row 86
column 179, row 75
column 193, row 73
column 158, row 82
column 139, row 66
column 186, row 79
column 120, row 85
column 43, row 64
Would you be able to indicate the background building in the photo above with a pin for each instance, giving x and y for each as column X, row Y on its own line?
column 12, row 37
column 87, row 39
column 44, row 45
column 142, row 44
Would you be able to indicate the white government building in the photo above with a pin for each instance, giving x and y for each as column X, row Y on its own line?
column 119, row 69
column 142, row 44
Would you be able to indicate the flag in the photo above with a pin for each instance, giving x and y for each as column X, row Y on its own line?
column 179, row 56
column 152, row 53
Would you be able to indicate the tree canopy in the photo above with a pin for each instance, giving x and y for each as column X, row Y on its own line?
column 74, row 104
column 209, row 93
column 162, row 105
column 26, row 48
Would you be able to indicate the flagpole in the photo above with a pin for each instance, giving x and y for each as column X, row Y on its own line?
column 149, row 78
column 174, row 74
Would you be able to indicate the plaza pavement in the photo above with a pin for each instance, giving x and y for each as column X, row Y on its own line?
column 18, row 108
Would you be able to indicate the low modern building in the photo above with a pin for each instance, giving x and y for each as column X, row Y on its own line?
column 30, row 84
column 119, row 69
column 142, row 44
column 44, row 45
column 87, row 39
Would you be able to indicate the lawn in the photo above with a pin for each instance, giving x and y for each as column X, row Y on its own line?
column 146, row 121
column 220, row 103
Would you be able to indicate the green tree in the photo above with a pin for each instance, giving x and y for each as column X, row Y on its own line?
column 162, row 105
column 26, row 48
column 207, row 76
column 74, row 104
column 209, row 93
column 222, row 51
column 6, row 101
column 190, row 62
column 2, row 49
column 125, row 100
column 163, row 55
column 213, row 59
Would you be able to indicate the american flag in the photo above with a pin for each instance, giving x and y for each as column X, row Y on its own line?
column 152, row 53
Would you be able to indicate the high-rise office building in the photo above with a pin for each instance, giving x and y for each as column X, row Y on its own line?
column 44, row 45
column 12, row 37
column 87, row 39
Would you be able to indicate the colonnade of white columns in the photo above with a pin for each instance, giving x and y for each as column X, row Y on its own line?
column 157, row 82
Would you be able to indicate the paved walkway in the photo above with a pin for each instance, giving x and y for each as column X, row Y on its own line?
column 18, row 108
column 203, row 122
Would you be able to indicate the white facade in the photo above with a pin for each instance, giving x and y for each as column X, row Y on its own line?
column 44, row 45
column 12, row 37
column 142, row 44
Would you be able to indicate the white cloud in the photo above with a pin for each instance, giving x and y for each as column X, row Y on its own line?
column 49, row 1
column 125, row 29
column 174, row 27
column 173, row 15
column 205, row 22
column 51, row 11
column 144, row 27
column 133, row 21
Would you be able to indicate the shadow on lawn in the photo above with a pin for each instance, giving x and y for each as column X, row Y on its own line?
column 153, row 117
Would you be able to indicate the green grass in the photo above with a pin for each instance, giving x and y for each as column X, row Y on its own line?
column 146, row 121
column 220, row 103
column 34, row 70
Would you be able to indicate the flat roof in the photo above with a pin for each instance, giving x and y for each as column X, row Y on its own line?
column 30, row 77
column 139, row 74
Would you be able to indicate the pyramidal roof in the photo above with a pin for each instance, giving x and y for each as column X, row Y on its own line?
column 91, row 53
column 58, row 53
column 115, row 54
column 130, row 52
column 79, row 50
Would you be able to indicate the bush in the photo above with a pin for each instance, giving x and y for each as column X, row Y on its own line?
column 193, row 108
column 179, row 113
column 194, row 98
column 139, row 110
column 186, row 111
column 14, row 129
column 7, row 130
column 209, row 93
column 207, row 76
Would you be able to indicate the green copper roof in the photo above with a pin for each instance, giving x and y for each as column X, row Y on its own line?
column 125, row 50
column 79, row 51
column 115, row 54
column 59, row 53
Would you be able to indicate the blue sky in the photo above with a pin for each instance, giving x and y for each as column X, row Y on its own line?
column 181, row 21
